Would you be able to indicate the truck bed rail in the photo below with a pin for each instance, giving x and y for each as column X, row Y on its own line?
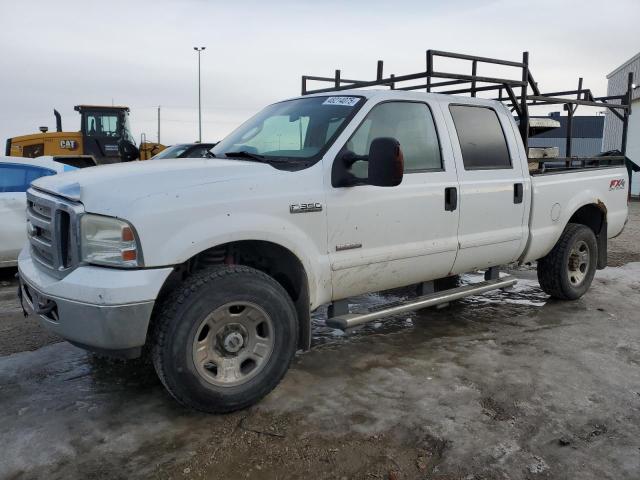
column 557, row 165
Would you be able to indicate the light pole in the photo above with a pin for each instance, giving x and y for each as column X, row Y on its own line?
column 199, row 49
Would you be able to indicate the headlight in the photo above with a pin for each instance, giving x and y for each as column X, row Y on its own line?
column 108, row 241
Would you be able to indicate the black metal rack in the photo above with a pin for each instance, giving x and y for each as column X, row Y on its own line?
column 517, row 93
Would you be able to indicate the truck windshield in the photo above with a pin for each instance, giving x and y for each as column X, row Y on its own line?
column 299, row 130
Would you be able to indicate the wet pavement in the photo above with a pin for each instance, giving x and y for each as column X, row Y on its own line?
column 507, row 385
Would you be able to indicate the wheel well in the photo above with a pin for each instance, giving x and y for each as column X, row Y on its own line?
column 274, row 260
column 594, row 216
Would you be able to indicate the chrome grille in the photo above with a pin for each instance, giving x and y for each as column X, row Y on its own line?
column 53, row 228
column 40, row 211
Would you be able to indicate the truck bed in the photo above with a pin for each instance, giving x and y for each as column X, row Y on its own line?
column 558, row 193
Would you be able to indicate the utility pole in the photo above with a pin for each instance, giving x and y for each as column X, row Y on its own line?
column 158, row 123
column 199, row 50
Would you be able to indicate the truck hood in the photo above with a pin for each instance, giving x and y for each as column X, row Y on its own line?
column 100, row 188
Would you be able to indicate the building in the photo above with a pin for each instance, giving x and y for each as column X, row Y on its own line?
column 586, row 139
column 617, row 85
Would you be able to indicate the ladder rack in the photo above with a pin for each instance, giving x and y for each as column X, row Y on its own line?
column 518, row 93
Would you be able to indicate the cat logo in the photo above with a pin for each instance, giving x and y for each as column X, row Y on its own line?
column 68, row 144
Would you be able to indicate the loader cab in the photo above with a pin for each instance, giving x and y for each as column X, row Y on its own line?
column 106, row 134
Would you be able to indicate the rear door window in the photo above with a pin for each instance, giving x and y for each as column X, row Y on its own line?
column 18, row 178
column 481, row 138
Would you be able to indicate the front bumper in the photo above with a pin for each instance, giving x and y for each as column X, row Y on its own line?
column 101, row 309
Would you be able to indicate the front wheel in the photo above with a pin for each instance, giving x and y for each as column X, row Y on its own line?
column 567, row 271
column 224, row 339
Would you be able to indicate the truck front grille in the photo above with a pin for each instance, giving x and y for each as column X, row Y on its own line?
column 53, row 231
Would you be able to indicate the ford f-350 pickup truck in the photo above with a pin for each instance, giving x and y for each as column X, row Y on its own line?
column 212, row 266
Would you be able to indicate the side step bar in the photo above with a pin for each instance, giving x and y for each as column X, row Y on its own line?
column 351, row 320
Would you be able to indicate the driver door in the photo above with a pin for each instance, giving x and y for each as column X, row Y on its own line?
column 386, row 237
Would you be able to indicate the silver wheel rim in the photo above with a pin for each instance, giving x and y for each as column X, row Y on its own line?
column 233, row 344
column 578, row 263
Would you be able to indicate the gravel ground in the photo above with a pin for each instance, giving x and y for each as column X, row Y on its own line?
column 626, row 247
column 18, row 333
column 510, row 385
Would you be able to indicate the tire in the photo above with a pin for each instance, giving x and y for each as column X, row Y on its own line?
column 567, row 271
column 224, row 338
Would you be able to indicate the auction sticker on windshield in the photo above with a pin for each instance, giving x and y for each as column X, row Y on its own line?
column 345, row 101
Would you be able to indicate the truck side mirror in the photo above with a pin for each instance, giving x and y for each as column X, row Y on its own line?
column 386, row 162
column 341, row 175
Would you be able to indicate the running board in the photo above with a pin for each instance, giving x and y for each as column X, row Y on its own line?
column 350, row 320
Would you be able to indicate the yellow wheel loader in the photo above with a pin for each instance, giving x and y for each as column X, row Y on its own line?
column 104, row 137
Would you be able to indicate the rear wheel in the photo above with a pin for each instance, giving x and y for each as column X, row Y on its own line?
column 224, row 339
column 567, row 271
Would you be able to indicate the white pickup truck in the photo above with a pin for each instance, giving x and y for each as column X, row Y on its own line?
column 214, row 265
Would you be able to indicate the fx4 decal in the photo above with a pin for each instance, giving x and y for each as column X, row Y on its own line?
column 617, row 184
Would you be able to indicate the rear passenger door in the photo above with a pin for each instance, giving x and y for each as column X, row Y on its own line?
column 492, row 228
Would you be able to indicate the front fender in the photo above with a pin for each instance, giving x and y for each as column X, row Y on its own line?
column 180, row 244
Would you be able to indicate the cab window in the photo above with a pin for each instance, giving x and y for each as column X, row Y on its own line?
column 18, row 178
column 481, row 138
column 411, row 123
column 101, row 124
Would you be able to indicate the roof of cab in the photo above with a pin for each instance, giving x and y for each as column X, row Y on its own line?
column 79, row 108
column 387, row 94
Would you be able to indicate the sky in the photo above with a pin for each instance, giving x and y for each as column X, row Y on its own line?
column 140, row 53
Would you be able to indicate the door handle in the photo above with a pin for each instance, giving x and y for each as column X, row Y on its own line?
column 450, row 199
column 518, row 193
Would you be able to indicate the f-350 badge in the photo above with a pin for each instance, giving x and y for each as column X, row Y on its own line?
column 305, row 207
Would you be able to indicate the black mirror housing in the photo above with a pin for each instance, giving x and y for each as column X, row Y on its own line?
column 386, row 162
column 341, row 175
column 386, row 165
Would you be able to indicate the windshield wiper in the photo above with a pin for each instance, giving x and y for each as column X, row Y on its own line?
column 258, row 158
column 247, row 155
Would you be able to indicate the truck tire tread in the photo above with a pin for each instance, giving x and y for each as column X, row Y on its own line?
column 551, row 267
column 167, row 314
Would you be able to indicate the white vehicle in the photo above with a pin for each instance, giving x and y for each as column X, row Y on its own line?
column 214, row 265
column 16, row 175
